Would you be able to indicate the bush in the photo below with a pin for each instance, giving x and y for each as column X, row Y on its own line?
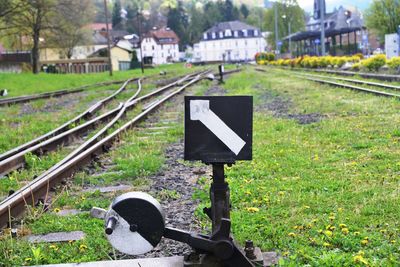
column 394, row 63
column 374, row 63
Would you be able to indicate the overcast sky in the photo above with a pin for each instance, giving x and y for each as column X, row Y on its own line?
column 331, row 4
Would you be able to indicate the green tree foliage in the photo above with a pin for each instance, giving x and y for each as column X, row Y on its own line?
column 383, row 16
column 244, row 11
column 178, row 22
column 294, row 15
column 116, row 15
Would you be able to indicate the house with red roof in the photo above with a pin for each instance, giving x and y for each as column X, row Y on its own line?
column 160, row 46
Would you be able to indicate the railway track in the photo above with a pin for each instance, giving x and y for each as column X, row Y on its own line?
column 9, row 161
column 15, row 158
column 317, row 78
column 324, row 79
column 27, row 98
column 376, row 76
column 14, row 205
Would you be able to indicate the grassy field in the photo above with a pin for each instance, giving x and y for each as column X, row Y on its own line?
column 28, row 83
column 324, row 193
column 322, row 189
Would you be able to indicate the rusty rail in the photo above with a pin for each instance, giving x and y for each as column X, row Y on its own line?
column 14, row 206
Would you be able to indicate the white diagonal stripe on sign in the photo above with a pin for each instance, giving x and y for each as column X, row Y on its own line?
column 200, row 110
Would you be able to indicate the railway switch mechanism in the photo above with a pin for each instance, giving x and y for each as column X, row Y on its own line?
column 218, row 131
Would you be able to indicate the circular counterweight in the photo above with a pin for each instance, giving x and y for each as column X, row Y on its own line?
column 135, row 223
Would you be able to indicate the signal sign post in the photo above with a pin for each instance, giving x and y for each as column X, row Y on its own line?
column 218, row 131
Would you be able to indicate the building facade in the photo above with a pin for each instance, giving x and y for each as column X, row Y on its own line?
column 160, row 46
column 231, row 41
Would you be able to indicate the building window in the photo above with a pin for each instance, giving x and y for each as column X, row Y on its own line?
column 228, row 33
column 221, row 35
column 213, row 35
column 152, row 47
column 205, row 36
column 235, row 34
column 245, row 33
column 255, row 33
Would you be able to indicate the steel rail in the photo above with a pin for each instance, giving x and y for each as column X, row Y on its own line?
column 387, row 86
column 382, row 77
column 352, row 87
column 64, row 127
column 27, row 98
column 17, row 160
column 15, row 205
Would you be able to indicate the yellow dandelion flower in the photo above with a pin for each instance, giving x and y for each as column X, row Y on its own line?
column 82, row 247
column 53, row 247
column 360, row 259
column 316, row 157
column 383, row 231
column 320, row 231
column 345, row 231
column 357, row 233
column 285, row 254
column 315, row 220
column 326, row 244
column 342, row 225
column 83, row 197
column 295, row 227
column 28, row 259
column 393, row 241
column 253, row 209
column 340, row 209
column 281, row 193
column 56, row 210
column 328, row 233
column 248, row 192
column 364, row 242
column 331, row 218
column 291, row 234
column 307, row 207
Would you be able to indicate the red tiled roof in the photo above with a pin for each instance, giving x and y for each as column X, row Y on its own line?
column 163, row 36
column 99, row 26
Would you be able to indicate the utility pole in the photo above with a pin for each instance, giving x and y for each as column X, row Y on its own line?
column 322, row 18
column 276, row 26
column 140, row 40
column 108, row 39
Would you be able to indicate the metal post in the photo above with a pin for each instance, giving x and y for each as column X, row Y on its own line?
column 140, row 41
column 219, row 194
column 108, row 39
column 276, row 25
column 290, row 40
column 322, row 18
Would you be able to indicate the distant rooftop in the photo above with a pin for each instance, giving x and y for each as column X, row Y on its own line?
column 163, row 36
column 231, row 29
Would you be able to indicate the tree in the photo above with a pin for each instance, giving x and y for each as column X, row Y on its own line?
column 68, row 27
column 32, row 20
column 177, row 20
column 244, row 10
column 383, row 16
column 116, row 14
column 294, row 15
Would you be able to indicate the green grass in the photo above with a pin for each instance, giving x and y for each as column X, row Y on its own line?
column 320, row 194
column 28, row 83
column 134, row 159
column 315, row 192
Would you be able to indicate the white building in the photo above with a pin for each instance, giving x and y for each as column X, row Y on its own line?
column 160, row 46
column 229, row 41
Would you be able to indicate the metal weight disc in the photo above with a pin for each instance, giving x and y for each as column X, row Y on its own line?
column 140, row 223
